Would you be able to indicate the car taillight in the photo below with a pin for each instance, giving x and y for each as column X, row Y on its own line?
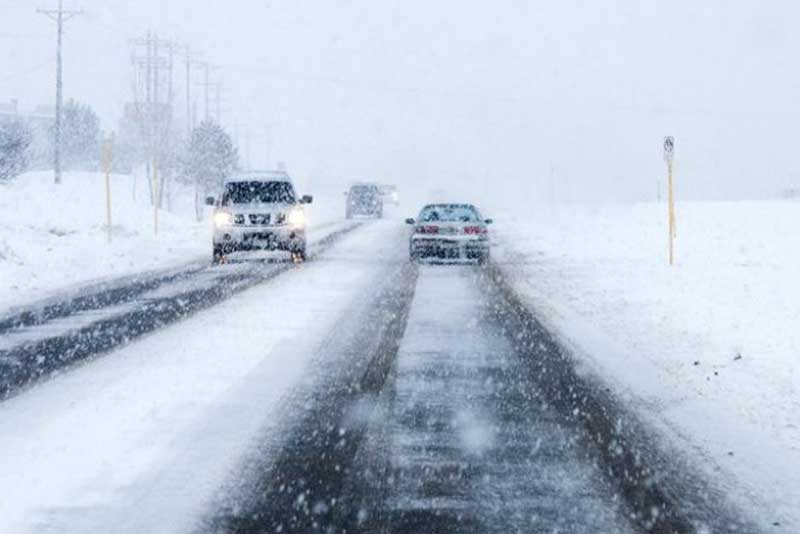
column 474, row 230
column 427, row 229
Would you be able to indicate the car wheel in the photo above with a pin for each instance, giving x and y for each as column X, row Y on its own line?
column 299, row 255
column 413, row 256
column 217, row 256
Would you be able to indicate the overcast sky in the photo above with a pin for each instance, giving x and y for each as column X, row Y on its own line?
column 569, row 99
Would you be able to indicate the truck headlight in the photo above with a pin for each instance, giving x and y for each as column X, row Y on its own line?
column 297, row 217
column 222, row 218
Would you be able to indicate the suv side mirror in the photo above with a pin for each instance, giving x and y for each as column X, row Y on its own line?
column 410, row 221
column 306, row 199
column 210, row 201
column 489, row 221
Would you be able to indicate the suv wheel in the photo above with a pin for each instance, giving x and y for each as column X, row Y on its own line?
column 299, row 255
column 412, row 255
column 218, row 257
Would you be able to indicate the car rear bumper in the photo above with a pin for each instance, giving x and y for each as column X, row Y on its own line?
column 234, row 238
column 449, row 248
column 365, row 210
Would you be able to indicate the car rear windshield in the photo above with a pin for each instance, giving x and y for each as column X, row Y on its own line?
column 364, row 191
column 254, row 191
column 449, row 213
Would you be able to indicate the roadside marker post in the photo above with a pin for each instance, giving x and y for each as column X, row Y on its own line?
column 669, row 157
column 156, row 197
column 107, row 163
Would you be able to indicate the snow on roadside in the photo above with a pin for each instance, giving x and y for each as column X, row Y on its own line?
column 54, row 237
column 140, row 439
column 708, row 350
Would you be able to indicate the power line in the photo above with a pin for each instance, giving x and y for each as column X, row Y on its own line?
column 157, row 113
column 207, row 84
column 190, row 60
column 60, row 16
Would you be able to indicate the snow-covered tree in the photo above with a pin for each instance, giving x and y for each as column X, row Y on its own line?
column 15, row 138
column 210, row 158
column 81, row 136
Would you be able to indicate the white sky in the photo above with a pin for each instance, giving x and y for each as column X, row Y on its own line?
column 569, row 98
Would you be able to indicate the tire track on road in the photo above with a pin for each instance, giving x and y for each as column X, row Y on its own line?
column 302, row 490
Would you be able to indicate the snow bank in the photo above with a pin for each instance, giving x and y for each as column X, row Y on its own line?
column 709, row 349
column 55, row 236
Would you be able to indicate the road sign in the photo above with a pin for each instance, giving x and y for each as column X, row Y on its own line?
column 669, row 156
column 107, row 161
column 669, row 148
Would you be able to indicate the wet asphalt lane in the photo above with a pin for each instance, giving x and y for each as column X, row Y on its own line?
column 437, row 428
column 464, row 442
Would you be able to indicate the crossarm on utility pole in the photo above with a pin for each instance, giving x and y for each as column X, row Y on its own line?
column 60, row 16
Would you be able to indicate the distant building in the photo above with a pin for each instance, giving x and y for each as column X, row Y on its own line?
column 41, row 115
column 41, row 121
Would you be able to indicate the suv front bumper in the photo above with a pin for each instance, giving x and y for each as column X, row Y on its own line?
column 234, row 238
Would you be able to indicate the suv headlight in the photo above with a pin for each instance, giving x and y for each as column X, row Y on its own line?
column 222, row 218
column 297, row 217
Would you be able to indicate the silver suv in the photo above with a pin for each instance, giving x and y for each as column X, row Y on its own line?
column 450, row 232
column 259, row 210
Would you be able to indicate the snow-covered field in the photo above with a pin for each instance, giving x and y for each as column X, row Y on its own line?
column 54, row 237
column 708, row 350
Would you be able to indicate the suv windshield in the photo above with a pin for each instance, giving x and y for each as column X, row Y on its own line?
column 449, row 213
column 261, row 192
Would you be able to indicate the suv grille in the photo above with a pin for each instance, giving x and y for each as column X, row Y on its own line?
column 258, row 218
column 255, row 219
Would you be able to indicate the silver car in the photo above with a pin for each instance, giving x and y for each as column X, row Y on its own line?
column 450, row 232
column 259, row 210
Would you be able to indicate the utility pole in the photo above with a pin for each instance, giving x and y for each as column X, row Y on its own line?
column 60, row 16
column 218, row 87
column 208, row 84
column 188, row 94
column 157, row 128
column 156, row 124
column 205, row 84
column 190, row 60
column 223, row 107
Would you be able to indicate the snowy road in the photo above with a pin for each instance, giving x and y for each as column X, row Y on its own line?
column 47, row 337
column 469, row 441
column 357, row 392
column 452, row 436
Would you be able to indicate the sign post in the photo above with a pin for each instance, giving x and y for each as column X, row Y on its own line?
column 107, row 162
column 669, row 156
column 156, row 196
